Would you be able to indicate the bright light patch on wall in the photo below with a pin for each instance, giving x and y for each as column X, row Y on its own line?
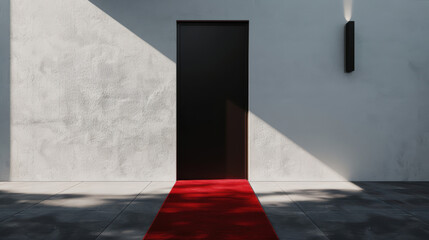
column 275, row 157
column 348, row 8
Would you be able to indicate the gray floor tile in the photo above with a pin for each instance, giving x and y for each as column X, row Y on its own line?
column 152, row 197
column 422, row 215
column 271, row 195
column 333, row 197
column 297, row 210
column 136, row 219
column 129, row 225
column 55, row 224
column 292, row 225
column 287, row 219
column 6, row 213
column 411, row 196
column 80, row 211
column 96, row 196
column 370, row 225
column 17, row 196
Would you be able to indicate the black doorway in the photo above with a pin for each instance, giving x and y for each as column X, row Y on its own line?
column 212, row 99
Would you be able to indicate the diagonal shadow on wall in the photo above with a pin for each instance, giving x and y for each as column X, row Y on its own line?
column 297, row 85
column 310, row 124
column 370, row 125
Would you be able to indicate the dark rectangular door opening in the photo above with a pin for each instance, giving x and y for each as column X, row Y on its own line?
column 212, row 99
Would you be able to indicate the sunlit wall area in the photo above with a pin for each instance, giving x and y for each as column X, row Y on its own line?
column 90, row 99
column 93, row 88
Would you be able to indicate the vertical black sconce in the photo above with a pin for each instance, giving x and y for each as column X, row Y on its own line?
column 350, row 47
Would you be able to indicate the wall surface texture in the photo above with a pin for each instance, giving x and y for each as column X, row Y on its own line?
column 93, row 88
column 4, row 90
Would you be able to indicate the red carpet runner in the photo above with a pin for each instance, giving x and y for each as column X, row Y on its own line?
column 211, row 209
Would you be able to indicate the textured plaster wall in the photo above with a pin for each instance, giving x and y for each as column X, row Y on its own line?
column 93, row 88
column 4, row 90
column 90, row 100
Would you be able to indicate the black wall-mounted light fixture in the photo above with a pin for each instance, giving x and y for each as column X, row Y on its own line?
column 350, row 46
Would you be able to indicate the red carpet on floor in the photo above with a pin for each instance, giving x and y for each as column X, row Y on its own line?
column 211, row 209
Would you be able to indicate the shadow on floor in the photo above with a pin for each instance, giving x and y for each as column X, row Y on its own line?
column 310, row 210
column 360, row 210
column 78, row 216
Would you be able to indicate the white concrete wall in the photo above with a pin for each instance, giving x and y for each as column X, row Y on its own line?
column 4, row 90
column 90, row 99
column 93, row 88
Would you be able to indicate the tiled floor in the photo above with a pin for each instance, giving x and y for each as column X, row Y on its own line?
column 297, row 210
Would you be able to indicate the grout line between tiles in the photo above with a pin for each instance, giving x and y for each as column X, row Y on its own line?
column 55, row 194
column 302, row 210
column 122, row 210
